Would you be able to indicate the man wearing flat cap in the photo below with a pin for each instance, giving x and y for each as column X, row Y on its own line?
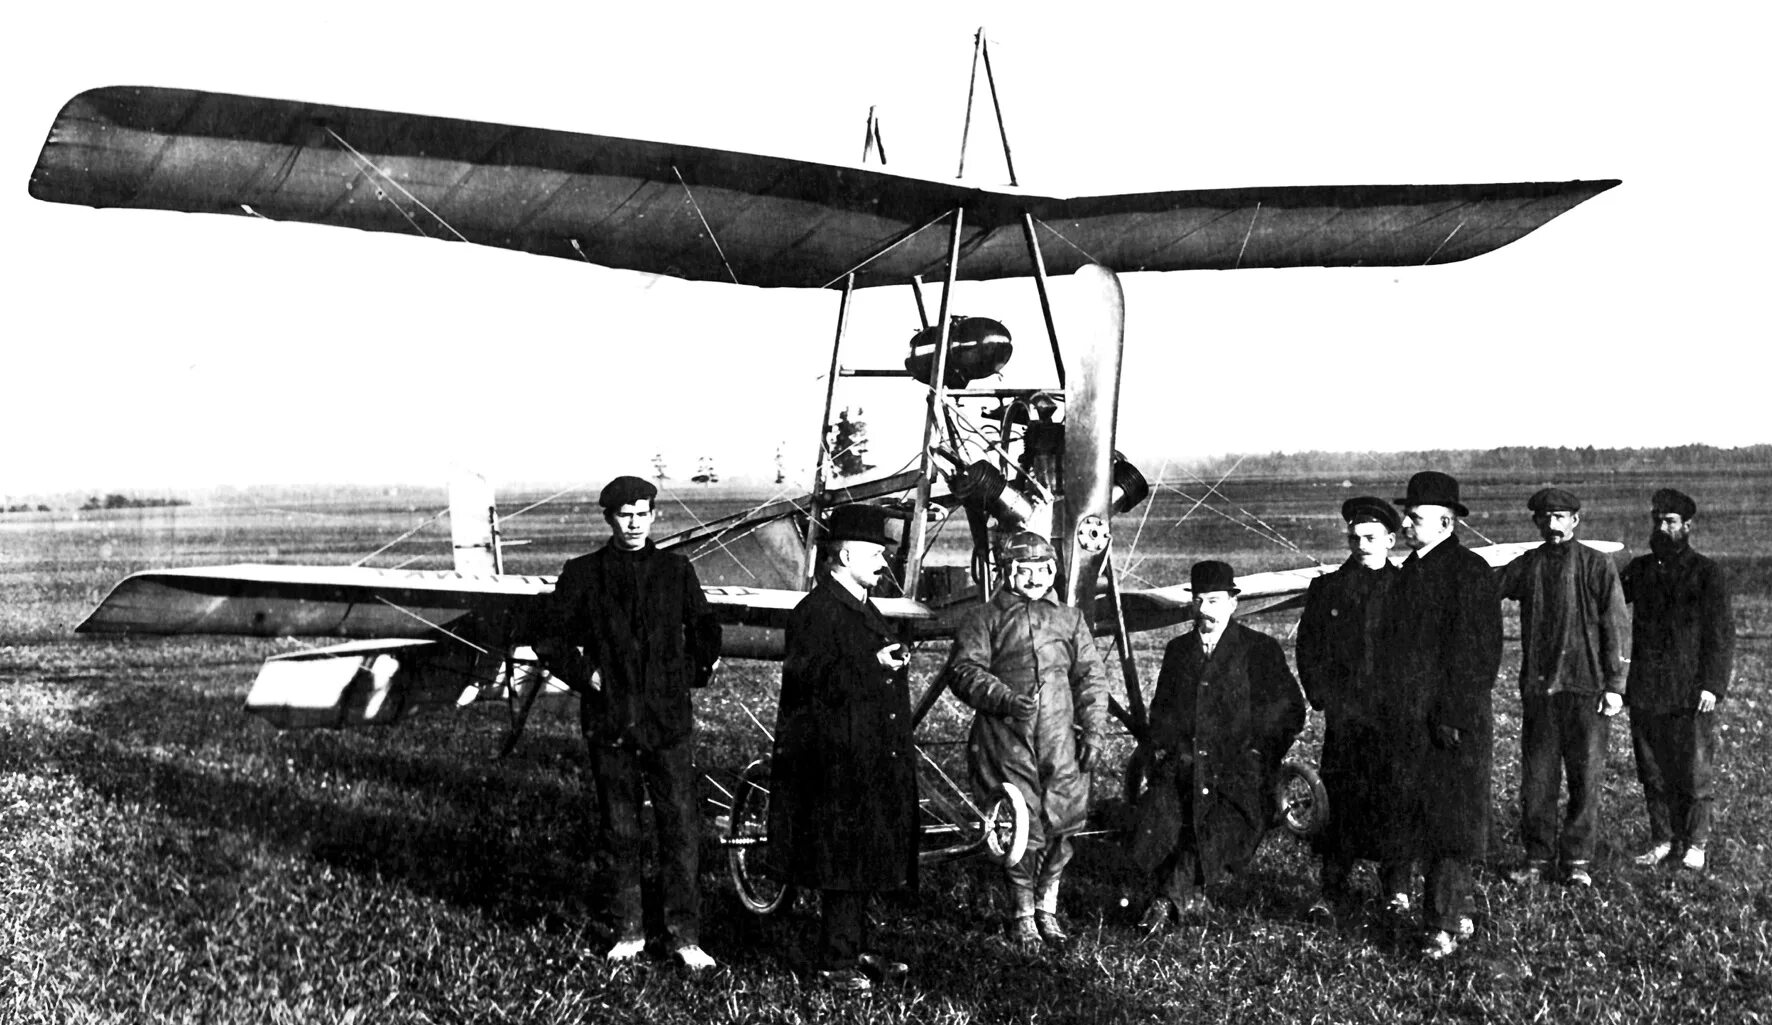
column 1682, row 648
column 1573, row 634
column 1029, row 667
column 1225, row 712
column 647, row 636
column 1337, row 651
column 843, row 809
column 1437, row 662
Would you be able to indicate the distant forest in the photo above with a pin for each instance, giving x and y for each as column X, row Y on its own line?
column 1512, row 459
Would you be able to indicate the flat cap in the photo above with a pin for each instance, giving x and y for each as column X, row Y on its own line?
column 1546, row 500
column 625, row 490
column 1669, row 500
column 1369, row 509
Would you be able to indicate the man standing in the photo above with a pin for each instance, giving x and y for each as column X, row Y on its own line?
column 1681, row 650
column 1225, row 712
column 1029, row 667
column 844, row 806
column 1338, row 635
column 1437, row 666
column 647, row 636
column 1572, row 638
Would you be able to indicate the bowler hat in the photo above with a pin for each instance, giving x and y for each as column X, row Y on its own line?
column 625, row 490
column 1670, row 500
column 1212, row 575
column 1370, row 509
column 1431, row 487
column 1546, row 500
column 1027, row 546
column 858, row 522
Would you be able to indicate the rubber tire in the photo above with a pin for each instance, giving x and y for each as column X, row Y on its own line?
column 757, row 891
column 1302, row 801
column 1011, row 810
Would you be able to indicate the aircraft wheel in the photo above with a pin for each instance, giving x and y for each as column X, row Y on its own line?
column 1302, row 802
column 759, row 887
column 1006, row 827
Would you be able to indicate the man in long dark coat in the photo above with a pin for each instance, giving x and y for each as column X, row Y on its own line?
column 1437, row 666
column 1029, row 667
column 1338, row 635
column 1225, row 712
column 844, row 806
column 647, row 636
column 1682, row 650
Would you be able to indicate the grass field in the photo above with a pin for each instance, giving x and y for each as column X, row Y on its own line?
column 163, row 857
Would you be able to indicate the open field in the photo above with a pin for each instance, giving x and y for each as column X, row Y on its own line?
column 163, row 857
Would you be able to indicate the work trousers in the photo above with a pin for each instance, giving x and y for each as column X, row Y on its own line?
column 1036, row 876
column 1676, row 752
column 1561, row 732
column 625, row 775
column 1446, row 894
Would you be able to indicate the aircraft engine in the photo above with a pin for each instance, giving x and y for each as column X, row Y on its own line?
column 1130, row 487
column 984, row 486
column 977, row 347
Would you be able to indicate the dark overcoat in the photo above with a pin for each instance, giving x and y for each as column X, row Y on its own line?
column 1219, row 729
column 843, row 810
column 1437, row 668
column 1684, row 635
column 1337, row 648
column 646, row 629
column 1040, row 649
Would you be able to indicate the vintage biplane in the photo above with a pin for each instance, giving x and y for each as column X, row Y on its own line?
column 1003, row 459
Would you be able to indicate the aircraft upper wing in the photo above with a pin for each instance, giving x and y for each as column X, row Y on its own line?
column 777, row 222
column 269, row 600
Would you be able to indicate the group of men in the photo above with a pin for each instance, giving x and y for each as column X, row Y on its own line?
column 1400, row 660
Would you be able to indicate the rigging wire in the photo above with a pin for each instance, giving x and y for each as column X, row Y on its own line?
column 363, row 163
column 704, row 223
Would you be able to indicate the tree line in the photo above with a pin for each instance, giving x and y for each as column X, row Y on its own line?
column 1508, row 459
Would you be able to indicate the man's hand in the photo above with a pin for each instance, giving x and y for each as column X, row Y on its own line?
column 893, row 657
column 1086, row 752
column 1611, row 704
column 1021, row 706
column 1446, row 737
column 1707, row 702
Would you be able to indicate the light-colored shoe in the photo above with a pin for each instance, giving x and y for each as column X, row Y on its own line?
column 848, row 979
column 1051, row 929
column 1398, row 905
column 882, row 967
column 1693, row 859
column 1440, row 945
column 1578, row 875
column 693, row 957
column 1529, row 874
column 1466, row 928
column 1655, row 855
column 625, row 951
column 1024, row 934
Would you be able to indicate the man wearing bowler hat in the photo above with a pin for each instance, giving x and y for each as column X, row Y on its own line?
column 1225, row 712
column 843, row 809
column 1436, row 668
column 1337, row 650
column 632, row 635
column 1573, row 632
column 1682, row 648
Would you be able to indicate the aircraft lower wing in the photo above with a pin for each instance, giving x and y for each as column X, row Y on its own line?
column 1280, row 590
column 755, row 220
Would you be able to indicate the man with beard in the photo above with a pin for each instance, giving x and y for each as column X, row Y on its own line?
column 843, row 809
column 647, row 636
column 1225, row 712
column 1682, row 646
column 1029, row 667
column 1436, row 668
column 1338, row 635
column 1572, row 638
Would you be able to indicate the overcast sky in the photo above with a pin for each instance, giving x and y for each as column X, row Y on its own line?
column 162, row 350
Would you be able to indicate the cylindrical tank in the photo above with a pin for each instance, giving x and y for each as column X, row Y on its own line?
column 977, row 347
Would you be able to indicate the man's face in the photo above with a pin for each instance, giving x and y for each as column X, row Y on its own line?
column 1371, row 542
column 1673, row 526
column 1424, row 525
column 861, row 562
column 1212, row 610
column 1557, row 525
column 631, row 524
column 1032, row 580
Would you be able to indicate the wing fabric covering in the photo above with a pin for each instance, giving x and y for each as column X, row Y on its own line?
column 777, row 222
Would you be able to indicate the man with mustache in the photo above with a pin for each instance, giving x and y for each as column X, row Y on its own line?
column 1029, row 667
column 843, row 807
column 1572, row 637
column 1225, row 712
column 1682, row 646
